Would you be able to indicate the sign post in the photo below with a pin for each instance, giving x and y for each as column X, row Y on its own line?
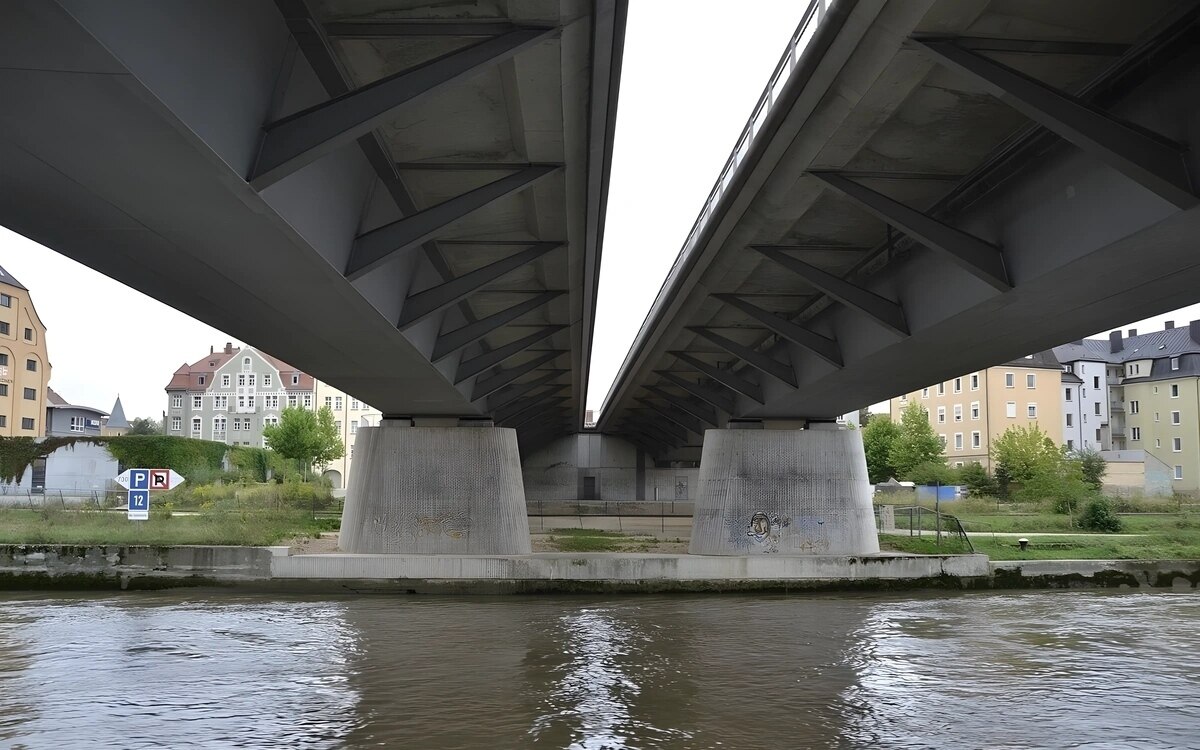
column 140, row 482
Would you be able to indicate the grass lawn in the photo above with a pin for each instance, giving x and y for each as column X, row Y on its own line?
column 251, row 528
column 594, row 540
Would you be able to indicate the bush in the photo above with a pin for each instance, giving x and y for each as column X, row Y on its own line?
column 932, row 472
column 1098, row 515
column 977, row 480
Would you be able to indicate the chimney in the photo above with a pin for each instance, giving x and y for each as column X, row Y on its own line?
column 1194, row 331
column 1114, row 342
column 211, row 349
column 1132, row 332
column 229, row 347
column 1168, row 325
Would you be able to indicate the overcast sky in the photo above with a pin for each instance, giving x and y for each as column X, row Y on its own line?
column 692, row 72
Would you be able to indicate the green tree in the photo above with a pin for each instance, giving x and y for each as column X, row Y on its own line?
column 916, row 442
column 1021, row 452
column 1093, row 465
column 878, row 437
column 977, row 480
column 308, row 437
column 933, row 472
column 144, row 426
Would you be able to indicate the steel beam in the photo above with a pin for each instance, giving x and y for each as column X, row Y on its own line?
column 379, row 245
column 654, row 432
column 645, row 439
column 825, row 348
column 376, row 29
column 884, row 311
column 499, row 379
column 536, row 409
column 1155, row 163
column 513, row 409
column 652, row 421
column 686, row 421
column 448, row 343
column 302, row 138
column 707, row 395
column 981, row 259
column 781, row 371
column 478, row 364
column 699, row 411
column 514, row 392
column 733, row 382
column 1043, row 46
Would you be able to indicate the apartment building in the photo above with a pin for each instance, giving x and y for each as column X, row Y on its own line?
column 24, row 362
column 349, row 414
column 970, row 411
column 1150, row 384
column 230, row 395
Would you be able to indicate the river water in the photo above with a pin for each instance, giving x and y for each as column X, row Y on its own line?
column 1031, row 670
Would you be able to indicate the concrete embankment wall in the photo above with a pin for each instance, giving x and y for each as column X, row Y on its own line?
column 272, row 569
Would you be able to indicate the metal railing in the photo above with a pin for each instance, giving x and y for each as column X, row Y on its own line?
column 919, row 521
column 783, row 71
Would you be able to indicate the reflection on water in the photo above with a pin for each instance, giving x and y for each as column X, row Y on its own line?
column 1035, row 670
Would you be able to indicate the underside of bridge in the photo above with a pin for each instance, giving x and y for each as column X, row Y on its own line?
column 405, row 200
column 930, row 187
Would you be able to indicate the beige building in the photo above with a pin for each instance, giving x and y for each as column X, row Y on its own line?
column 24, row 362
column 970, row 411
column 349, row 414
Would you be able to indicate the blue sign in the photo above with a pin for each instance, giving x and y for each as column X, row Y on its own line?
column 139, row 505
column 139, row 479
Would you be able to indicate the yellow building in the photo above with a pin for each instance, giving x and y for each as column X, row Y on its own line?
column 24, row 363
column 348, row 415
column 970, row 411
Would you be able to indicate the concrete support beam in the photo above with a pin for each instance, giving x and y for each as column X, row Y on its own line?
column 514, row 392
column 650, row 433
column 685, row 421
column 786, row 492
column 730, row 380
column 376, row 29
column 1147, row 158
column 435, row 490
column 699, row 411
column 511, row 410
column 302, row 138
column 707, row 395
column 782, row 371
column 478, row 364
column 448, row 343
column 376, row 247
column 541, row 409
column 651, row 420
column 884, row 311
column 499, row 379
column 825, row 348
column 981, row 259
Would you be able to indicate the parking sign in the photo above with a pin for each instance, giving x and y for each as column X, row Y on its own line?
column 139, row 505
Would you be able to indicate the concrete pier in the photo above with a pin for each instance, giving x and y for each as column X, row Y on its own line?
column 435, row 490
column 788, row 492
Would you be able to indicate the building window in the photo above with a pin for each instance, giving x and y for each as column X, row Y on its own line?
column 958, row 385
column 1010, row 380
column 1176, row 445
column 76, row 424
column 4, row 329
column 250, row 379
column 271, row 402
column 29, row 337
column 219, row 427
column 924, row 393
column 941, row 389
column 1096, row 381
column 241, row 402
column 195, row 426
column 1174, row 363
column 941, row 415
column 295, row 378
column 1070, row 445
column 329, row 402
column 197, row 402
column 241, row 379
column 3, row 389
column 220, row 403
column 266, row 381
column 1097, row 407
column 30, row 394
column 942, row 438
column 176, row 424
column 958, row 441
column 975, row 410
column 1067, row 394
column 975, row 440
column 177, row 401
column 1030, row 380
column 1174, row 417
column 1031, row 411
column 237, row 423
column 291, row 399
column 1070, row 420
column 245, row 364
column 1097, row 435
column 31, row 365
column 250, row 401
column 337, row 425
column 337, row 403
column 270, row 421
column 354, row 402
column 352, row 452
column 308, row 401
column 1178, row 471
column 1174, row 390
column 974, row 381
column 1010, row 409
column 1133, row 407
column 26, row 423
column 4, row 360
column 200, row 380
column 1135, row 433
column 5, row 300
column 225, row 381
column 354, row 428
column 958, row 412
column 1155, row 416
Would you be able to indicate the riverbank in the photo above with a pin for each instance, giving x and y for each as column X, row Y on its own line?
column 278, row 570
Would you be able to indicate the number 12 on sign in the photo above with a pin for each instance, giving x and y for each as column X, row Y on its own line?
column 139, row 505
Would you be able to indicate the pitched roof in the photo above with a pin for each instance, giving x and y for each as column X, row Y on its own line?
column 7, row 278
column 53, row 399
column 187, row 377
column 1170, row 342
column 117, row 420
column 1044, row 360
